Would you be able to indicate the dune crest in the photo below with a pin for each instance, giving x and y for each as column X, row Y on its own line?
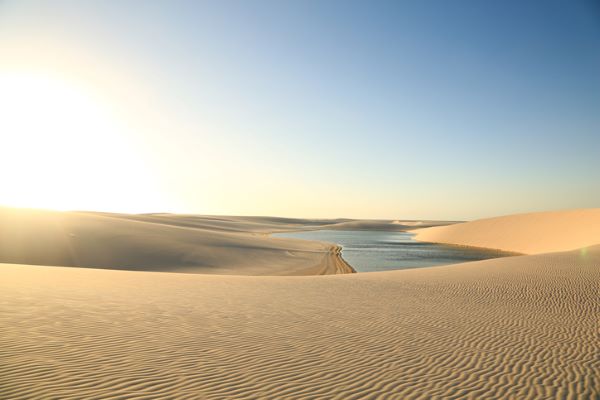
column 532, row 233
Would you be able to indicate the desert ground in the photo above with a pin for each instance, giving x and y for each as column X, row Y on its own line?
column 160, row 306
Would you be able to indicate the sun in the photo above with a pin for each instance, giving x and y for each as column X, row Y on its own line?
column 63, row 148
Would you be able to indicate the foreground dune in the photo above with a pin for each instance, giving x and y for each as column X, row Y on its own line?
column 532, row 233
column 521, row 327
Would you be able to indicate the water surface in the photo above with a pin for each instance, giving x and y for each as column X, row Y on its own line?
column 381, row 251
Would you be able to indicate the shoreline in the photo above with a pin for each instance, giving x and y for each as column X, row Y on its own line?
column 332, row 264
column 341, row 266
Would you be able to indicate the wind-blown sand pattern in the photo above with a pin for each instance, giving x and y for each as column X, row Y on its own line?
column 532, row 233
column 524, row 327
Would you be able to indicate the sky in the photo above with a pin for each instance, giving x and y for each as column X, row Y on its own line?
column 360, row 109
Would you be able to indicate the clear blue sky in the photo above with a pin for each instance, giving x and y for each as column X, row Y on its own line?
column 400, row 109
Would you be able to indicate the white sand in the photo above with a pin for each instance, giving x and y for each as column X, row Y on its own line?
column 532, row 233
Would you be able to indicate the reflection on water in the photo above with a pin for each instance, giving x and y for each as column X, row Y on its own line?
column 381, row 251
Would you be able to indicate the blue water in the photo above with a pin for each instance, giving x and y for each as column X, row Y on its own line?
column 381, row 251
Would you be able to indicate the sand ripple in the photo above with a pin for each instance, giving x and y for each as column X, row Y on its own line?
column 516, row 328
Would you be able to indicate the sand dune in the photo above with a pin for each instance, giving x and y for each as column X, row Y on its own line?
column 516, row 328
column 227, row 223
column 532, row 233
column 251, row 224
column 173, row 243
column 160, row 243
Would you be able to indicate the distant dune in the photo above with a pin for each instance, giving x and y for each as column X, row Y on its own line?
column 532, row 233
column 172, row 243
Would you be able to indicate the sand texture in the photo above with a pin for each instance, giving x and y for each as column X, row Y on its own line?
column 532, row 233
column 516, row 328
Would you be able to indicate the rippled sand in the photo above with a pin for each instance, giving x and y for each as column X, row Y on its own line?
column 523, row 327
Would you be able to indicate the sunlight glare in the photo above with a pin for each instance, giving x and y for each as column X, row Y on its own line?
column 62, row 149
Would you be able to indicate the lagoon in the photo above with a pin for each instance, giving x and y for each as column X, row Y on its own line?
column 368, row 251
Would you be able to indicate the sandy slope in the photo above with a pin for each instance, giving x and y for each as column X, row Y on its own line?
column 191, row 244
column 532, row 233
column 247, row 224
column 174, row 243
column 516, row 328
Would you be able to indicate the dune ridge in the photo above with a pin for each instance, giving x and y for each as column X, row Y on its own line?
column 521, row 327
column 531, row 233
